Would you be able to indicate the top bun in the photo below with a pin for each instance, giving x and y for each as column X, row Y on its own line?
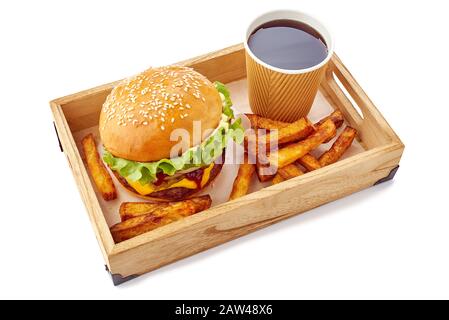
column 141, row 112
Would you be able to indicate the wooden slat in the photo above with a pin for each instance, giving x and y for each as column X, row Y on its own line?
column 225, row 65
column 83, row 182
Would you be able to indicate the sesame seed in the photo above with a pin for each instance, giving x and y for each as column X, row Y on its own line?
column 161, row 85
column 162, row 128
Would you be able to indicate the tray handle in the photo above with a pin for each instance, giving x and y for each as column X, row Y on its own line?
column 355, row 104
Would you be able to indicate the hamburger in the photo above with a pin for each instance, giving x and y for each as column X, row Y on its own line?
column 165, row 130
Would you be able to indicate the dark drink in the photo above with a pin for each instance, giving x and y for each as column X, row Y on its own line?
column 288, row 44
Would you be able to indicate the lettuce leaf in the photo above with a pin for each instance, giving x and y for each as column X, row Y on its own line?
column 226, row 98
column 198, row 156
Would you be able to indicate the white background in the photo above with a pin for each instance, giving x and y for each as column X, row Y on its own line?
column 390, row 241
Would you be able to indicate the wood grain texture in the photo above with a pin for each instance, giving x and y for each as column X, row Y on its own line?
column 85, row 185
column 249, row 213
column 242, row 182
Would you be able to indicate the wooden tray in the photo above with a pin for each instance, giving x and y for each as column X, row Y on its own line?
column 372, row 160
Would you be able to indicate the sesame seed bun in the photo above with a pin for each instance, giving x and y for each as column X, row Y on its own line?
column 140, row 113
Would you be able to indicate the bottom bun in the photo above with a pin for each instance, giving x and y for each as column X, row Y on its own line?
column 171, row 194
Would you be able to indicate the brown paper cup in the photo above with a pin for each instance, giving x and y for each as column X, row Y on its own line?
column 280, row 94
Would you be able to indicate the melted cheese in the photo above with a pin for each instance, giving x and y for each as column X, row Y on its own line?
column 206, row 175
column 185, row 183
column 149, row 188
column 141, row 189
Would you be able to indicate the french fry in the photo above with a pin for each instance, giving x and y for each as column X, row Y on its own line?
column 295, row 151
column 97, row 169
column 277, row 179
column 336, row 117
column 264, row 123
column 286, row 173
column 290, row 132
column 263, row 173
column 243, row 179
column 309, row 162
column 297, row 130
column 129, row 210
column 144, row 223
column 339, row 147
column 252, row 150
column 290, row 171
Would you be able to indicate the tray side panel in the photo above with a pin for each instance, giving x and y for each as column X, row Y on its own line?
column 84, row 112
column 250, row 213
column 85, row 187
column 224, row 65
